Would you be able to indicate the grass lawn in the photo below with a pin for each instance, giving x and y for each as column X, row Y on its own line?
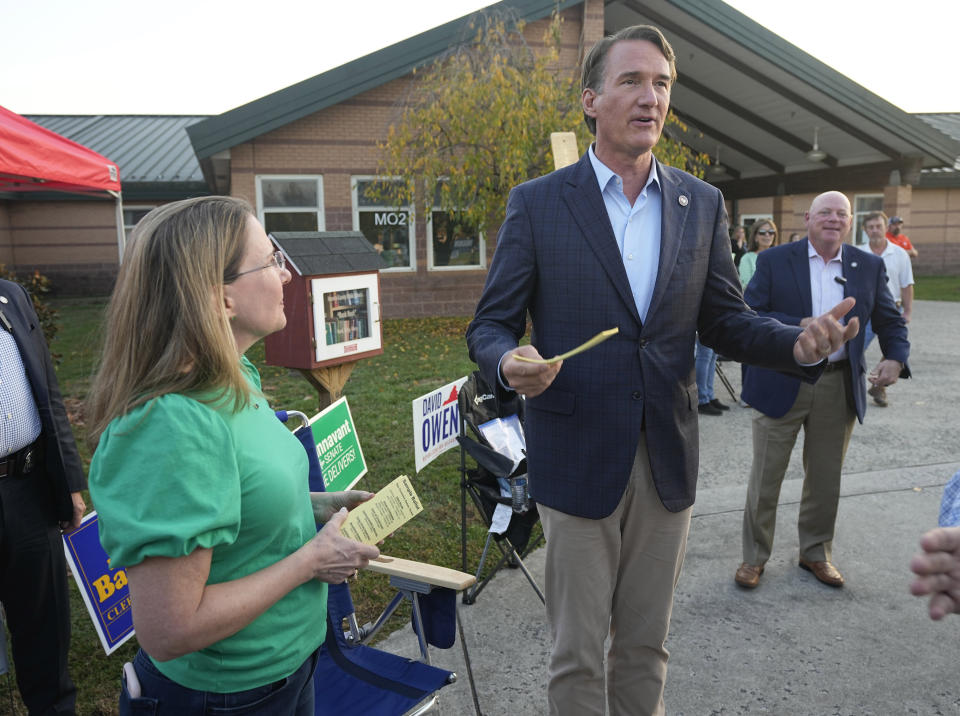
column 419, row 355
column 937, row 288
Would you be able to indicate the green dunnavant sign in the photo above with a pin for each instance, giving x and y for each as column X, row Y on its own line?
column 338, row 447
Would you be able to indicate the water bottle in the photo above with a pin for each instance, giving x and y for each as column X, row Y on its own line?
column 520, row 498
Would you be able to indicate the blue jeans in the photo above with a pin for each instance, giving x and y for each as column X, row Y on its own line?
column 163, row 697
column 706, row 362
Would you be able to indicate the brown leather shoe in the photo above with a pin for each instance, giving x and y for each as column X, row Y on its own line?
column 824, row 571
column 748, row 575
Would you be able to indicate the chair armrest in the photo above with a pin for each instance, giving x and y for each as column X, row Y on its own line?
column 422, row 572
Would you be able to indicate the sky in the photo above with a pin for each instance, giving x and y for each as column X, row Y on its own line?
column 209, row 56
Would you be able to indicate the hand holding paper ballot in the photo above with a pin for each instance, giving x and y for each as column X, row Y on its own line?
column 336, row 556
column 347, row 541
column 528, row 373
column 391, row 507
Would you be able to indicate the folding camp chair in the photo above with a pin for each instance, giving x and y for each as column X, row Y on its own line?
column 354, row 678
column 725, row 380
column 489, row 488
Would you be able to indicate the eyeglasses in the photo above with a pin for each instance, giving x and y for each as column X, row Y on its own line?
column 766, row 232
column 277, row 260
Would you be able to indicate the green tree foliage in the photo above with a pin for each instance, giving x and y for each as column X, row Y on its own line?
column 37, row 286
column 477, row 122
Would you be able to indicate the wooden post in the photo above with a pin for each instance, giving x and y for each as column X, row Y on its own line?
column 329, row 381
column 564, row 148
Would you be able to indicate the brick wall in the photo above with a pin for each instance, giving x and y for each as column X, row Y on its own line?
column 934, row 229
column 74, row 243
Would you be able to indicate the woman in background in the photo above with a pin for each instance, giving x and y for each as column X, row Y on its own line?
column 763, row 235
column 202, row 493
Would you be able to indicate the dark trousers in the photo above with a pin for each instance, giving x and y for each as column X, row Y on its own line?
column 35, row 595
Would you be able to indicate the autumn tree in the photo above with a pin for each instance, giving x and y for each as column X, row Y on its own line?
column 478, row 121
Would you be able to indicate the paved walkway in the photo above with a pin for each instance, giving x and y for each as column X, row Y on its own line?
column 792, row 646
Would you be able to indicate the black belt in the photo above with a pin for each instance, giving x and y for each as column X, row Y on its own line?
column 836, row 365
column 22, row 462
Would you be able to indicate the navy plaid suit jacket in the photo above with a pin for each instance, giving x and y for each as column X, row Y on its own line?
column 781, row 289
column 557, row 258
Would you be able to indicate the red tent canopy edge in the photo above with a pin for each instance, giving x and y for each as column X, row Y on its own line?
column 32, row 158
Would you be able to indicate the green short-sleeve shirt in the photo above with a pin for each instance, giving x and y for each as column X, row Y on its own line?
column 176, row 474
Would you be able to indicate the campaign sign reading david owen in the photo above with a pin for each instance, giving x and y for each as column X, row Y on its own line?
column 436, row 422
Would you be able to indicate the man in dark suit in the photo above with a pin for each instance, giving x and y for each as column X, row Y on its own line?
column 792, row 281
column 619, row 239
column 41, row 477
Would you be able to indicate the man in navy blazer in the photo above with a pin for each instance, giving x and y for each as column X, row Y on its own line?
column 791, row 282
column 41, row 478
column 619, row 240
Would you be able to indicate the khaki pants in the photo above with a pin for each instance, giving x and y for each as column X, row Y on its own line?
column 825, row 413
column 614, row 575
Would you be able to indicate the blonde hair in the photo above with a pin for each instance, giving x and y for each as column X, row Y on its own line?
column 167, row 330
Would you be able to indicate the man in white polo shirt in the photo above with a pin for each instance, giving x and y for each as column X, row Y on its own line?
column 899, row 281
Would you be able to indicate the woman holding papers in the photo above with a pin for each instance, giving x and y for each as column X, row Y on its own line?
column 202, row 493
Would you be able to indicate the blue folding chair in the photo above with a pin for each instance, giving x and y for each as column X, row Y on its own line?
column 354, row 678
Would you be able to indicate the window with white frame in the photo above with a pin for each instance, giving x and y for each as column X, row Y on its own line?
column 863, row 204
column 132, row 216
column 388, row 228
column 453, row 243
column 290, row 203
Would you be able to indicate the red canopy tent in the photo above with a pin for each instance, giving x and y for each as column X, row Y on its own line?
column 33, row 158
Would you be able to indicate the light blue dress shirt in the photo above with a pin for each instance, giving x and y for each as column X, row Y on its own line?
column 636, row 228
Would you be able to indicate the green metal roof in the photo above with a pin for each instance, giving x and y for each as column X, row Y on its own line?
column 153, row 151
column 341, row 83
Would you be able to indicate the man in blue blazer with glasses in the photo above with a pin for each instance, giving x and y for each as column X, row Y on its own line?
column 620, row 240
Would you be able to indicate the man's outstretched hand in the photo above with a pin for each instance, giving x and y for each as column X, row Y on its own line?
column 825, row 334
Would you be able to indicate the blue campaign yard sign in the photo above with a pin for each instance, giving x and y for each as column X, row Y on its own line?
column 104, row 589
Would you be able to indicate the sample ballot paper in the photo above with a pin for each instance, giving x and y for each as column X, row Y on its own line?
column 390, row 508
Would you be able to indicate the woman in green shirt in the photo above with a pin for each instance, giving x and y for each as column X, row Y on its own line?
column 202, row 494
column 763, row 235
